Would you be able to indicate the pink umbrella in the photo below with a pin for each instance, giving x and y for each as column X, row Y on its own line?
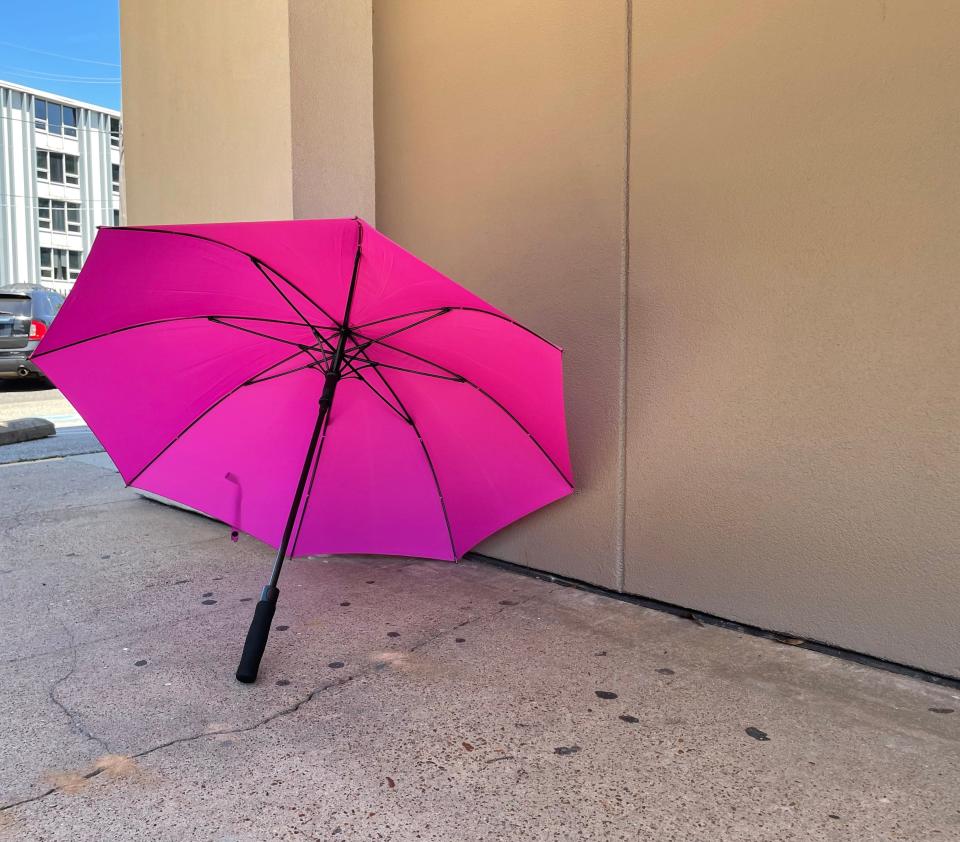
column 206, row 359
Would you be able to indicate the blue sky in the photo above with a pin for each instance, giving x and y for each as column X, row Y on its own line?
column 70, row 47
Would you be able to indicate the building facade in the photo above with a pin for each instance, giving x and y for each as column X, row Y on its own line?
column 738, row 217
column 60, row 166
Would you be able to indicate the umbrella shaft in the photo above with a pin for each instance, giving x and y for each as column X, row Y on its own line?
column 326, row 398
column 270, row 592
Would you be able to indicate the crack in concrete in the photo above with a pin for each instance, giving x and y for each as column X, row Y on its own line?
column 75, row 721
column 287, row 711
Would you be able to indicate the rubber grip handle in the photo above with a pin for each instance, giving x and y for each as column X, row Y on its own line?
column 256, row 640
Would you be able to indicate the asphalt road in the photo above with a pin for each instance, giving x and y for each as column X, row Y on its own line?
column 35, row 399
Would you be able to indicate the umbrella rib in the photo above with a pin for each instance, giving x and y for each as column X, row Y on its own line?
column 283, row 373
column 450, row 309
column 426, row 453
column 247, row 254
column 37, row 355
column 486, row 394
column 218, row 321
column 509, row 321
column 272, row 321
column 378, row 364
column 326, row 342
column 403, row 415
column 402, row 316
column 206, row 412
column 370, row 341
column 283, row 295
column 313, row 365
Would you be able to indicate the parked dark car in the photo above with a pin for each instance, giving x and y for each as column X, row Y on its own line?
column 26, row 312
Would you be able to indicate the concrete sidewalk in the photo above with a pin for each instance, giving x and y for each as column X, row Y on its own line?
column 404, row 700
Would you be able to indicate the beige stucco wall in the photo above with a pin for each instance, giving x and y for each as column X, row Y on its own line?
column 791, row 342
column 500, row 157
column 331, row 87
column 266, row 114
column 794, row 302
column 206, row 106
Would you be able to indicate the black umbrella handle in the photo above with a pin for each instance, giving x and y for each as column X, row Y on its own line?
column 257, row 635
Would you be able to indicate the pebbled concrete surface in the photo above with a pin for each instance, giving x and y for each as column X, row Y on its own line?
column 410, row 700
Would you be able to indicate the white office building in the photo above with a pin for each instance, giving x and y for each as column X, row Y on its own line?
column 59, row 180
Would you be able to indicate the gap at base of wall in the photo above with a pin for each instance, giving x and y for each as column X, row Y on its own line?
column 713, row 620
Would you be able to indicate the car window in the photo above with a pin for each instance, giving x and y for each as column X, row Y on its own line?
column 56, row 302
column 46, row 305
column 41, row 306
column 15, row 305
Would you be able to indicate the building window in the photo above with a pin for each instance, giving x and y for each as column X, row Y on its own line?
column 73, row 217
column 58, row 168
column 58, row 214
column 115, row 170
column 72, row 166
column 115, row 132
column 59, row 264
column 53, row 215
column 116, row 217
column 69, row 121
column 55, row 118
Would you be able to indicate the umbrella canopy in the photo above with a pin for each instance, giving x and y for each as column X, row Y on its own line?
column 196, row 354
column 311, row 383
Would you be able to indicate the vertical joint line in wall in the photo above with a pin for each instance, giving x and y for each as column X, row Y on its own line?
column 624, row 298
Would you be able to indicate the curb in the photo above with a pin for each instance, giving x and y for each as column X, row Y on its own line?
column 25, row 429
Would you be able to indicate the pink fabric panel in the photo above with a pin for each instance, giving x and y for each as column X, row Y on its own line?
column 315, row 254
column 374, row 491
column 489, row 470
column 392, row 281
column 131, row 277
column 241, row 463
column 514, row 366
column 141, row 388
